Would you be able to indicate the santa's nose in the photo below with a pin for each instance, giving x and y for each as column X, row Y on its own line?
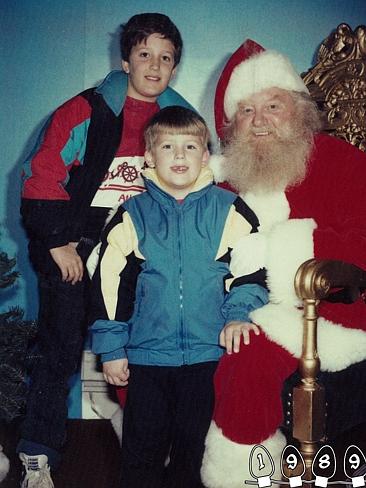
column 258, row 119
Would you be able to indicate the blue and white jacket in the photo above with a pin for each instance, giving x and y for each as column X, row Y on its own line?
column 164, row 288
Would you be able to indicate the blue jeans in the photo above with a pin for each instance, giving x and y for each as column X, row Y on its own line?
column 61, row 331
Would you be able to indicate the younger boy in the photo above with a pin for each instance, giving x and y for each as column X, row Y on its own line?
column 163, row 292
column 87, row 159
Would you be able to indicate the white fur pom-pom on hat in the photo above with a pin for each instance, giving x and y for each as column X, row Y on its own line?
column 4, row 465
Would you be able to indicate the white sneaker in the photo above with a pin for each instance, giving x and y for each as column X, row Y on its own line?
column 36, row 472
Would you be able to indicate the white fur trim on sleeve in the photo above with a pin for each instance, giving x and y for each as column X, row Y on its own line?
column 226, row 463
column 289, row 244
column 338, row 346
column 282, row 324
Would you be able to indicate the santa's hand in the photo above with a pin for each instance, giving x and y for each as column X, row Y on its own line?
column 249, row 254
column 231, row 334
column 116, row 372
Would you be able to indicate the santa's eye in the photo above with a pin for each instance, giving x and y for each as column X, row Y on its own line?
column 246, row 110
column 274, row 106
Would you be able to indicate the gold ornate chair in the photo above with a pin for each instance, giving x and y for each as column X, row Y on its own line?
column 338, row 84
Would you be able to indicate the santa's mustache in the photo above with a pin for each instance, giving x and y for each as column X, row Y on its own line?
column 255, row 161
column 255, row 133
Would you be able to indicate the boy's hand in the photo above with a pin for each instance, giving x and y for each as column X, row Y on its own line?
column 69, row 262
column 230, row 336
column 116, row 372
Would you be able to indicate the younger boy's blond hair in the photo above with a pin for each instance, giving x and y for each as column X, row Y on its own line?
column 176, row 120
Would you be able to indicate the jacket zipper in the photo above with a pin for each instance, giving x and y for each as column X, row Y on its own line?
column 181, row 310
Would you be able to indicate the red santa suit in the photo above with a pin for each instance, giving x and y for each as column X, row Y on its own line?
column 323, row 217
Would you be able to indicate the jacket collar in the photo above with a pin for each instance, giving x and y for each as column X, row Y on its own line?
column 153, row 186
column 114, row 91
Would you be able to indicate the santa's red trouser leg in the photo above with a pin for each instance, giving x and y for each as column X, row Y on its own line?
column 248, row 411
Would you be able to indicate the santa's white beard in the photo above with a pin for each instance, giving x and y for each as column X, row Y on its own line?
column 267, row 163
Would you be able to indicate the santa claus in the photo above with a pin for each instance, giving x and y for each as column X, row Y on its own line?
column 308, row 191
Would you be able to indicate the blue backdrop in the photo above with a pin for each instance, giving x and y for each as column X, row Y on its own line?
column 52, row 50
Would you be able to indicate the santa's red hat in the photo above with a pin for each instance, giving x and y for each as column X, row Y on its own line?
column 249, row 70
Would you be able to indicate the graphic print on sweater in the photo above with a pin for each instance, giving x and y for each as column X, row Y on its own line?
column 122, row 181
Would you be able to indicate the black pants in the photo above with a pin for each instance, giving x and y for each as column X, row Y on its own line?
column 168, row 412
column 61, row 330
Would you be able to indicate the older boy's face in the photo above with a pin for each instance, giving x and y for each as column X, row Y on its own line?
column 150, row 68
column 178, row 160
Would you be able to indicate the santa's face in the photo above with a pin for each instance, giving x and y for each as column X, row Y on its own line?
column 264, row 115
column 269, row 143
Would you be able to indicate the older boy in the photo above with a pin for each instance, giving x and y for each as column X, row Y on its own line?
column 88, row 158
column 163, row 292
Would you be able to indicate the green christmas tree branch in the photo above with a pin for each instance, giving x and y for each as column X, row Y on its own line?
column 15, row 336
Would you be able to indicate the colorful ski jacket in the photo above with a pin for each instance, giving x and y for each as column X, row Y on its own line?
column 164, row 288
column 73, row 153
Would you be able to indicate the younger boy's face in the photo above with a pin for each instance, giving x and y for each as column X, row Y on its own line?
column 178, row 160
column 150, row 68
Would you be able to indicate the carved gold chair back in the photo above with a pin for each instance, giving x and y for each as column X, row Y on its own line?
column 338, row 84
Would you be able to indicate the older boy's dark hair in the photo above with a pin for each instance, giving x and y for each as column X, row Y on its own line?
column 141, row 26
column 175, row 120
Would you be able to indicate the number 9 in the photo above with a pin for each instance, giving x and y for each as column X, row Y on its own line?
column 354, row 461
column 291, row 461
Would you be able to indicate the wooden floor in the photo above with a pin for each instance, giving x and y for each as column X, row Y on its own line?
column 91, row 458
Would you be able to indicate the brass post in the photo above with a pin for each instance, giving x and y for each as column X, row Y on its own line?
column 309, row 396
column 313, row 282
